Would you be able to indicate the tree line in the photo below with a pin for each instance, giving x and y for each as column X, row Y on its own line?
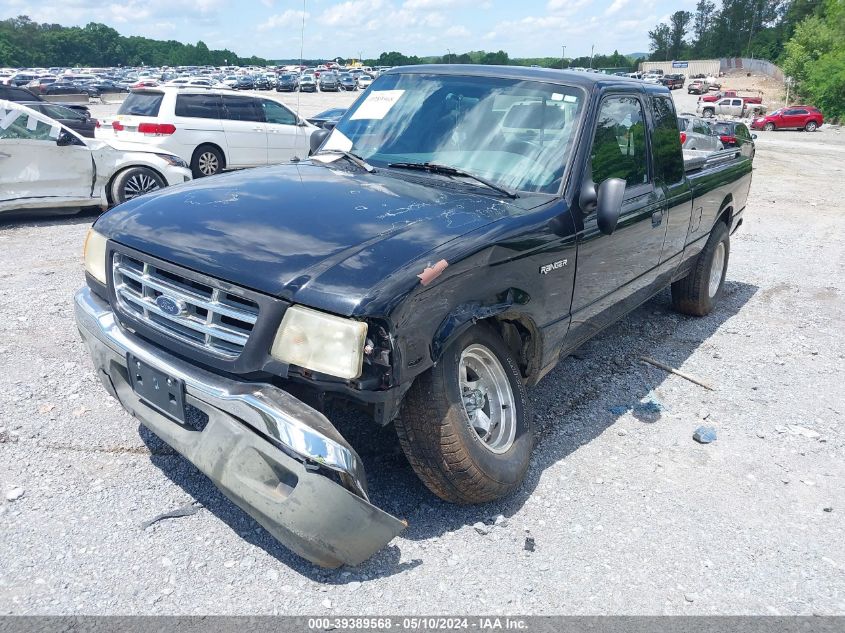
column 805, row 37
column 24, row 43
column 614, row 60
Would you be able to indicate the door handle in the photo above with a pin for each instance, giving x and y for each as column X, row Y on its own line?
column 656, row 218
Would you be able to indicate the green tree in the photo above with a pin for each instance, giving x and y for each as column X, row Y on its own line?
column 678, row 25
column 660, row 42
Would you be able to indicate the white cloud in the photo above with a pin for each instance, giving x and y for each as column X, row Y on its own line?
column 457, row 30
column 287, row 19
column 616, row 6
column 567, row 7
column 352, row 13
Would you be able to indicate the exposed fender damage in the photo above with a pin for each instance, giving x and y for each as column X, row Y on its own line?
column 45, row 165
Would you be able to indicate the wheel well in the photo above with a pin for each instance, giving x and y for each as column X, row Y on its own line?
column 215, row 146
column 726, row 212
column 522, row 338
column 110, row 198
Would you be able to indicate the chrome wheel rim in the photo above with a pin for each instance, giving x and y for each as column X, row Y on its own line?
column 208, row 163
column 487, row 398
column 811, row 127
column 139, row 184
column 716, row 269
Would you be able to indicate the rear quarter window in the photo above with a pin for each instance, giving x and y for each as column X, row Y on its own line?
column 142, row 104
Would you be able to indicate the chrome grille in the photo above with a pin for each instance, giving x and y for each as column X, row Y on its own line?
column 210, row 318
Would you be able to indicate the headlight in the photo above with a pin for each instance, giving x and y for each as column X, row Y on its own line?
column 320, row 342
column 173, row 160
column 94, row 254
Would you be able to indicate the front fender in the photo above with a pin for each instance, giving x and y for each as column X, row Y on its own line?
column 465, row 315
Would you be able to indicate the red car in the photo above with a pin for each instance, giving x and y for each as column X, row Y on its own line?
column 797, row 117
column 733, row 94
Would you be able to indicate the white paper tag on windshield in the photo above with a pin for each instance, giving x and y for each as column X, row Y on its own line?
column 377, row 104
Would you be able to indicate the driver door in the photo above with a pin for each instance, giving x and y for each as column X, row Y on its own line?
column 34, row 169
column 614, row 270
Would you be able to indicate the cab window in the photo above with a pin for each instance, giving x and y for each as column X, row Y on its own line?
column 619, row 144
column 666, row 142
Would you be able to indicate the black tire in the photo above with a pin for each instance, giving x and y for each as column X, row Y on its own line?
column 811, row 126
column 437, row 436
column 708, row 113
column 134, row 182
column 207, row 161
column 694, row 294
column 769, row 127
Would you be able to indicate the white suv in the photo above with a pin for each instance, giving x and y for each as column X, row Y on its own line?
column 211, row 129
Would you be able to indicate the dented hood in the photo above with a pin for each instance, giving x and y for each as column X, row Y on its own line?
column 321, row 235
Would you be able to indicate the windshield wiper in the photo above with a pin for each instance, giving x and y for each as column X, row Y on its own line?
column 436, row 168
column 354, row 158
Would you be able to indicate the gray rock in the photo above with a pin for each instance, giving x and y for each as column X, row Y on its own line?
column 355, row 585
column 481, row 528
column 704, row 435
column 500, row 521
column 14, row 494
column 690, row 597
column 794, row 429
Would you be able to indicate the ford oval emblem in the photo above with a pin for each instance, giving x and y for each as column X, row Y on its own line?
column 170, row 306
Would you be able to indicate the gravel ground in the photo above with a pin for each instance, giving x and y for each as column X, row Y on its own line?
column 626, row 512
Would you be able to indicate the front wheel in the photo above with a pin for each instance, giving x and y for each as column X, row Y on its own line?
column 465, row 425
column 708, row 114
column 697, row 293
column 134, row 182
column 811, row 126
column 769, row 127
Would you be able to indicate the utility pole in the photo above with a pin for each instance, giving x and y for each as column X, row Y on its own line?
column 449, row 50
column 562, row 56
column 592, row 51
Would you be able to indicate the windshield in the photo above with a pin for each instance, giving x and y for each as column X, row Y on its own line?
column 514, row 133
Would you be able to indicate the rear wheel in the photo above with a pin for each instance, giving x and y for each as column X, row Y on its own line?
column 134, row 182
column 811, row 126
column 698, row 292
column 708, row 114
column 769, row 127
column 206, row 161
column 465, row 426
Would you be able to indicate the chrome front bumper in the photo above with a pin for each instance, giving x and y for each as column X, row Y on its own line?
column 263, row 448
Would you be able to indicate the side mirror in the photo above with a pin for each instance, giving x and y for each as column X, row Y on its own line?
column 609, row 204
column 329, row 125
column 317, row 138
column 753, row 136
column 65, row 138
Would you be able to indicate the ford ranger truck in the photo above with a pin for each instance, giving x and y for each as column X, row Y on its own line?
column 458, row 232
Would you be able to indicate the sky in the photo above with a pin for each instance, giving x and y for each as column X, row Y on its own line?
column 347, row 28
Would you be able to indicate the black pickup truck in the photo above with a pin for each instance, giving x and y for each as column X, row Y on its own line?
column 458, row 232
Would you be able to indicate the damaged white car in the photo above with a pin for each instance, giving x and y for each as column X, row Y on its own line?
column 44, row 165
